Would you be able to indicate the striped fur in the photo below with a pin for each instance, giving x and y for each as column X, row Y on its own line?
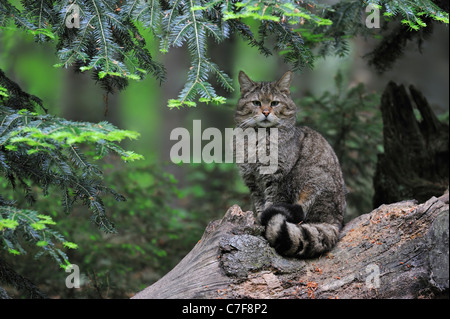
column 302, row 204
column 294, row 239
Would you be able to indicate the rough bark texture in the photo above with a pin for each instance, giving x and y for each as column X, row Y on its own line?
column 415, row 162
column 396, row 251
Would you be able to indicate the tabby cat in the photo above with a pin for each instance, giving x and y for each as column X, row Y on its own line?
column 302, row 203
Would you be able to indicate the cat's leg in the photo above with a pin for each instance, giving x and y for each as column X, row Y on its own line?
column 257, row 196
column 294, row 213
column 271, row 184
column 258, row 202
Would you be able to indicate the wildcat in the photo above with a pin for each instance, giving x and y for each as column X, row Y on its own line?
column 302, row 204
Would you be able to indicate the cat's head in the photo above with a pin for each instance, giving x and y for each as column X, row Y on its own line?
column 265, row 104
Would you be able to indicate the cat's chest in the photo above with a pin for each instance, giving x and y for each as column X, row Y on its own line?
column 269, row 155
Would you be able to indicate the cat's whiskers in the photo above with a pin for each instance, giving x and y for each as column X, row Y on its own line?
column 244, row 125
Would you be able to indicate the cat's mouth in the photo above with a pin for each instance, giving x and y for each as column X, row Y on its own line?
column 266, row 123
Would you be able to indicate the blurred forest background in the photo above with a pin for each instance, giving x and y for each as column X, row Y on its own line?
column 169, row 205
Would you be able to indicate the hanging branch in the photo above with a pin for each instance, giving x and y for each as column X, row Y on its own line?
column 109, row 42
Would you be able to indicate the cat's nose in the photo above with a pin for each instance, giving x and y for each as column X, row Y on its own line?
column 266, row 112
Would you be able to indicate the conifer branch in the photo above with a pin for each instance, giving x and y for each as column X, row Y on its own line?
column 49, row 153
column 109, row 43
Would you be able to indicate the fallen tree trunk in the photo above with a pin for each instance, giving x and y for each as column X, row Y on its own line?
column 396, row 251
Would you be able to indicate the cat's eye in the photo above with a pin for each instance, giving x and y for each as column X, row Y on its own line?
column 256, row 103
column 274, row 103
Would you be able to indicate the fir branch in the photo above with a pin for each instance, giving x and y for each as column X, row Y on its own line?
column 33, row 227
column 9, row 277
column 147, row 12
column 109, row 43
column 15, row 97
column 42, row 16
column 45, row 151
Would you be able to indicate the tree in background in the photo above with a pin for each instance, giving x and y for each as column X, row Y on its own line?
column 104, row 38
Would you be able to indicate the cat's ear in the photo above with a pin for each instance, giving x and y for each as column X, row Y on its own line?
column 245, row 82
column 284, row 83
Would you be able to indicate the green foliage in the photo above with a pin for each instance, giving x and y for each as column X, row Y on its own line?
column 13, row 96
column 35, row 228
column 350, row 119
column 153, row 233
column 28, row 138
column 48, row 134
column 43, row 151
column 109, row 43
column 407, row 21
column 45, row 161
column 213, row 196
column 412, row 12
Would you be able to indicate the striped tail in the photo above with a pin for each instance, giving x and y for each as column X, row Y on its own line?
column 290, row 237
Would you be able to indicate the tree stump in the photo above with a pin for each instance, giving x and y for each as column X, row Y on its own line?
column 415, row 163
column 396, row 251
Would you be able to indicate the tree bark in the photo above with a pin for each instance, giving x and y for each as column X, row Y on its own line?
column 396, row 251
